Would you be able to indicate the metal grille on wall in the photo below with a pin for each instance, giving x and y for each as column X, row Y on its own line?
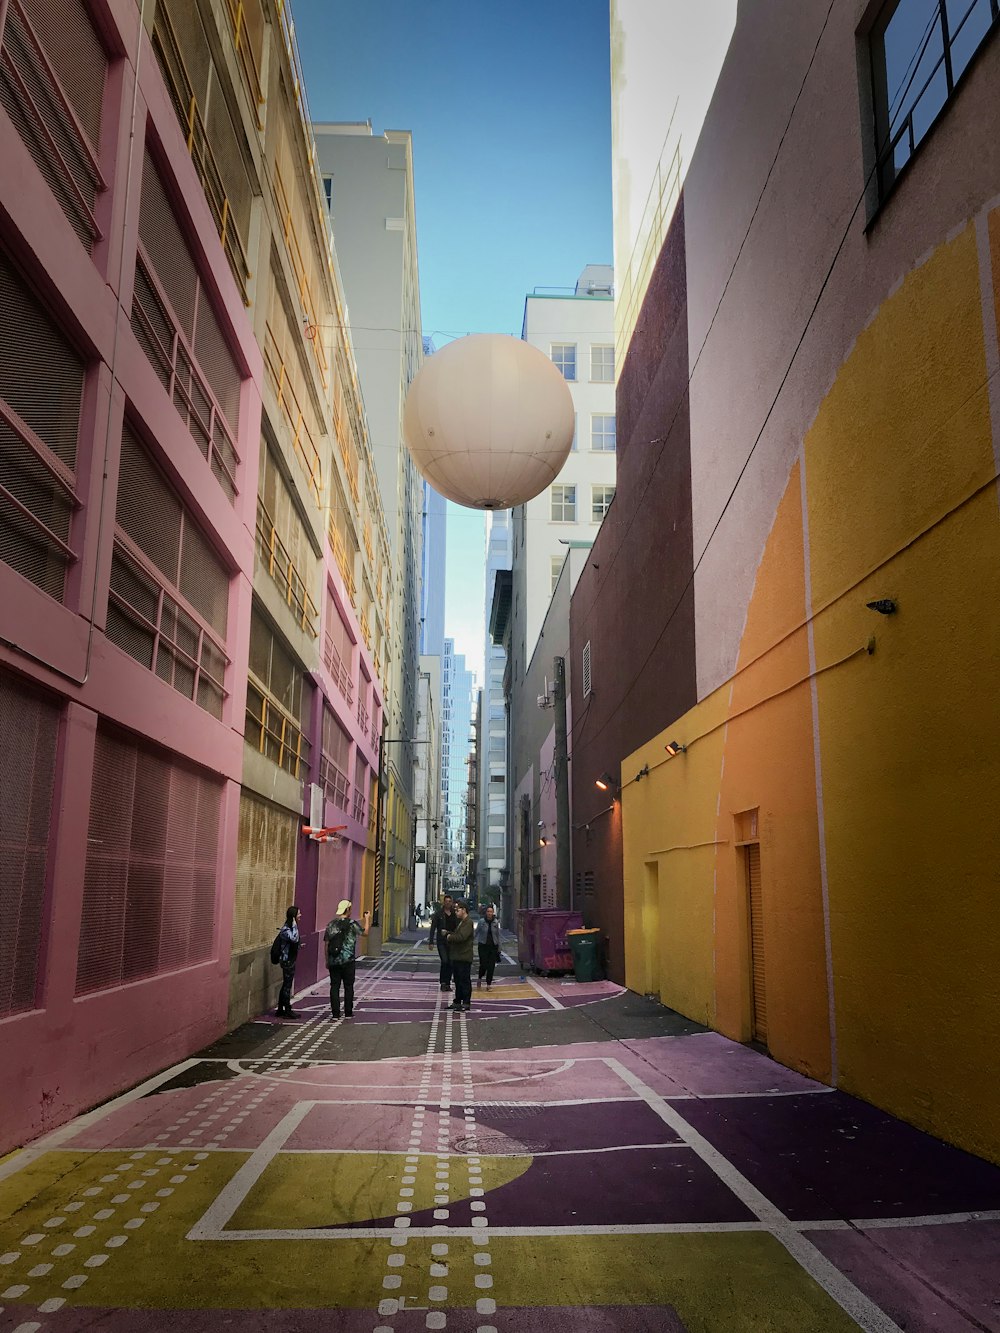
column 169, row 597
column 29, row 726
column 177, row 328
column 265, row 871
column 283, row 545
column 279, row 698
column 150, row 881
column 334, row 761
column 338, row 650
column 52, row 74
column 218, row 150
column 41, row 385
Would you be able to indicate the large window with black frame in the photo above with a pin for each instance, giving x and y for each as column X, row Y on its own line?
column 920, row 50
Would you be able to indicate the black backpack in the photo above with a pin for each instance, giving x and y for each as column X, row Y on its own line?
column 335, row 940
column 276, row 949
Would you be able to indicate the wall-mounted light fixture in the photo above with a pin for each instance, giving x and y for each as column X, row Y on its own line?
column 675, row 747
column 607, row 783
column 642, row 773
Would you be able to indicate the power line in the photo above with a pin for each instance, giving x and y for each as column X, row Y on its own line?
column 913, row 66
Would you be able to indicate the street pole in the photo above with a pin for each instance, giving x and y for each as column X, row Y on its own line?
column 561, row 765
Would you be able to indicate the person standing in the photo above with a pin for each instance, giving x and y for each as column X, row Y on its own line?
column 341, row 939
column 288, row 952
column 488, row 943
column 460, row 957
column 443, row 922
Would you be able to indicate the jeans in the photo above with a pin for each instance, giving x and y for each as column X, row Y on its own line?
column 463, row 982
column 342, row 972
column 445, row 963
column 285, row 995
column 489, row 955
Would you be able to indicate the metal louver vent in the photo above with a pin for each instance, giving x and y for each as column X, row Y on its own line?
column 586, row 669
column 29, row 725
column 150, row 880
column 41, row 383
column 52, row 76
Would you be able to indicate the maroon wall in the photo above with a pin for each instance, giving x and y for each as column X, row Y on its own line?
column 637, row 580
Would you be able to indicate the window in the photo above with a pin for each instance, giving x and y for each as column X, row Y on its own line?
column 564, row 359
column 283, row 547
column 602, row 433
column 279, row 698
column 576, row 431
column 328, row 190
column 168, row 600
column 600, row 499
column 556, row 564
column 919, row 51
column 563, row 503
column 602, row 363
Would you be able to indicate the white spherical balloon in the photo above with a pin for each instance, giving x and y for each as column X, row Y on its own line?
column 489, row 421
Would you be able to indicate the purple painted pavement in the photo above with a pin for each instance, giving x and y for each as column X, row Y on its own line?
column 832, row 1156
column 933, row 1279
column 574, row 1128
column 634, row 1187
column 523, row 1319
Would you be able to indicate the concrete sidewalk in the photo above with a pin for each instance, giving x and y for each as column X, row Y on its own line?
column 564, row 1157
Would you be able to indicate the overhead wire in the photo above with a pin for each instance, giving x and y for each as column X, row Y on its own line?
column 911, row 71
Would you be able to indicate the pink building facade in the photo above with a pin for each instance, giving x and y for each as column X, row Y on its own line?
column 134, row 408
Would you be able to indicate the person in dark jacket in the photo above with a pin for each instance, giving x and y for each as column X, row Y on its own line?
column 341, row 939
column 443, row 921
column 460, row 956
column 488, row 943
column 288, row 953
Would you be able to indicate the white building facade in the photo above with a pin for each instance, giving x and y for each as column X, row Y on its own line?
column 458, row 689
column 576, row 330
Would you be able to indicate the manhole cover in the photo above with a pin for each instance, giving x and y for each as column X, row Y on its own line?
column 500, row 1145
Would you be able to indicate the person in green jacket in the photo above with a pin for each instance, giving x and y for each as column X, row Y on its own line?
column 460, row 956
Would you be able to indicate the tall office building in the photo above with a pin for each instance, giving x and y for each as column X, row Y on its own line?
column 368, row 187
column 456, row 734
column 493, row 737
column 576, row 330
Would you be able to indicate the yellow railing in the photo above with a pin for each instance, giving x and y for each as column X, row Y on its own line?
column 340, row 554
column 369, row 547
column 296, row 255
column 302, row 440
column 273, row 733
column 202, row 155
column 283, row 571
column 245, row 54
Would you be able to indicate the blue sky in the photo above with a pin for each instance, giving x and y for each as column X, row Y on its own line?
column 509, row 106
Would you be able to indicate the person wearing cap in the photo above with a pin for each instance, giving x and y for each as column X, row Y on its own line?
column 341, row 939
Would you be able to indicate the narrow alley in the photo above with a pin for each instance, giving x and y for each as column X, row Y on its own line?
column 564, row 1157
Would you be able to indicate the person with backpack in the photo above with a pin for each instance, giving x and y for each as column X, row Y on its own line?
column 341, row 939
column 284, row 952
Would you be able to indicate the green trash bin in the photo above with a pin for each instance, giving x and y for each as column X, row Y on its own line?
column 584, row 948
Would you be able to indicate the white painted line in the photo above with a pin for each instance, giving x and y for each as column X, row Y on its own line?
column 551, row 999
column 835, row 1283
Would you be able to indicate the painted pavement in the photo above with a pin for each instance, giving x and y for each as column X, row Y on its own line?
column 564, row 1157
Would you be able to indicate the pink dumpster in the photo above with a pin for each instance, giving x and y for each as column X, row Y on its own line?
column 550, row 950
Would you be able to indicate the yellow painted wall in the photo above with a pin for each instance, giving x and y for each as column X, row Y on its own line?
column 910, row 772
column 907, row 737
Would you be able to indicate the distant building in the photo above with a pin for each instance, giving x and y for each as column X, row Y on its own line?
column 576, row 330
column 456, row 736
column 492, row 812
column 368, row 187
